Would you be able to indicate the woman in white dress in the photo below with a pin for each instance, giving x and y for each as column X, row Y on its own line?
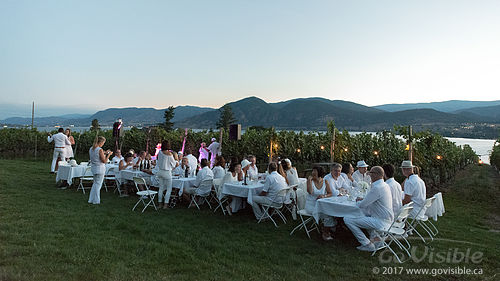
column 68, row 147
column 98, row 159
column 166, row 162
column 232, row 175
column 218, row 168
column 318, row 188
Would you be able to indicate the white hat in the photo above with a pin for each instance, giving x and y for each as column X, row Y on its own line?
column 73, row 163
column 361, row 164
column 407, row 164
column 213, row 139
column 180, row 152
column 245, row 163
column 289, row 162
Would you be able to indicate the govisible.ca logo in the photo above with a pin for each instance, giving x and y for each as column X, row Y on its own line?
column 428, row 254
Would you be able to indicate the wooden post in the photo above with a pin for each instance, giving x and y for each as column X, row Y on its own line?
column 332, row 146
column 221, row 133
column 33, row 116
column 410, row 143
column 271, row 151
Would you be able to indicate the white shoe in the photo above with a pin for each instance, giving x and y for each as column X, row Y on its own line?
column 370, row 247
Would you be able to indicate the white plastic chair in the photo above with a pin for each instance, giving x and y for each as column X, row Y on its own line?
column 422, row 220
column 303, row 223
column 203, row 192
column 144, row 195
column 218, row 197
column 290, row 202
column 393, row 233
column 87, row 177
column 110, row 176
column 276, row 205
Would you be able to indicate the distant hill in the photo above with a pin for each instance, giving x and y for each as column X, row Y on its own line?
column 486, row 111
column 445, row 106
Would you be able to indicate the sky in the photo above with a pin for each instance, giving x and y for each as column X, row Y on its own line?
column 83, row 56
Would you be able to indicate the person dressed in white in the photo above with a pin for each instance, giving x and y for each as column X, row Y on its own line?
column 377, row 206
column 118, row 157
column 253, row 172
column 214, row 149
column 347, row 171
column 286, row 170
column 183, row 169
column 414, row 190
column 203, row 151
column 60, row 141
column 273, row 184
column 193, row 162
column 165, row 163
column 245, row 166
column 204, row 174
column 98, row 159
column 218, row 168
column 318, row 188
column 338, row 184
column 396, row 191
column 232, row 176
column 69, row 148
column 361, row 173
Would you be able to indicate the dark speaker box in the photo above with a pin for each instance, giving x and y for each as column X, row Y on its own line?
column 235, row 132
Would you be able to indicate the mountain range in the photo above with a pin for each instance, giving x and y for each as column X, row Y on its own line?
column 297, row 114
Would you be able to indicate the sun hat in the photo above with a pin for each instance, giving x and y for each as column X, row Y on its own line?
column 407, row 164
column 362, row 164
column 245, row 163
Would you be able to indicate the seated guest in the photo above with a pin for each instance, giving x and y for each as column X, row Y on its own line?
column 232, row 176
column 204, row 174
column 183, row 169
column 245, row 166
column 286, row 170
column 180, row 155
column 318, row 188
column 414, row 190
column 338, row 184
column 218, row 169
column 347, row 171
column 377, row 207
column 396, row 191
column 140, row 158
column 127, row 163
column 253, row 172
column 273, row 184
column 361, row 174
column 118, row 157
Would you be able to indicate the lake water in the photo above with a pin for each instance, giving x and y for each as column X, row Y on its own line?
column 480, row 146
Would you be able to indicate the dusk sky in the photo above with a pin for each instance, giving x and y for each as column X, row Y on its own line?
column 99, row 54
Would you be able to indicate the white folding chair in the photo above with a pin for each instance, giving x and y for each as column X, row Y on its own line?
column 202, row 193
column 290, row 203
column 218, row 197
column 147, row 196
column 87, row 177
column 276, row 204
column 421, row 219
column 110, row 176
column 394, row 233
column 303, row 223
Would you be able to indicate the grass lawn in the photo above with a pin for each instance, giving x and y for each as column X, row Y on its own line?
column 52, row 234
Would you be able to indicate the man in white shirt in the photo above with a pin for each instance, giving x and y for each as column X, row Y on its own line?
column 337, row 183
column 193, row 162
column 377, row 206
column 414, row 190
column 60, row 141
column 396, row 191
column 253, row 172
column 118, row 157
column 361, row 173
column 214, row 149
column 204, row 174
column 273, row 184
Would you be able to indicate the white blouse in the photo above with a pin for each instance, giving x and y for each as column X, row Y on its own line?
column 165, row 162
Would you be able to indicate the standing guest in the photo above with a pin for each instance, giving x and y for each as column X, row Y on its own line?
column 69, row 148
column 60, row 141
column 204, row 174
column 253, row 172
column 396, row 191
column 273, row 184
column 118, row 157
column 232, row 176
column 218, row 169
column 414, row 190
column 193, row 162
column 377, row 207
column 214, row 149
column 318, row 188
column 165, row 164
column 203, row 151
column 338, row 184
column 347, row 171
column 361, row 173
column 98, row 159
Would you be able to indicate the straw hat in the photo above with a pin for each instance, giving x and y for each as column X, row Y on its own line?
column 407, row 164
column 362, row 164
column 245, row 163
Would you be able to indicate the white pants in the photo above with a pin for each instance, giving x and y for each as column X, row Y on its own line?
column 370, row 223
column 58, row 152
column 165, row 179
column 95, row 192
column 257, row 210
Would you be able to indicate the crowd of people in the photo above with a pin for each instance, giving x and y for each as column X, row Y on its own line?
column 381, row 203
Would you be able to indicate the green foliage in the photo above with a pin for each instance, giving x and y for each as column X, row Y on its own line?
column 168, row 116
column 226, row 117
column 95, row 125
column 495, row 154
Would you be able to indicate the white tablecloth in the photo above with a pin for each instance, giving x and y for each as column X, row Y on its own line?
column 240, row 190
column 437, row 207
column 130, row 174
column 68, row 173
column 337, row 206
column 180, row 183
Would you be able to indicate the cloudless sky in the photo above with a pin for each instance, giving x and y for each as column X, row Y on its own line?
column 100, row 54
